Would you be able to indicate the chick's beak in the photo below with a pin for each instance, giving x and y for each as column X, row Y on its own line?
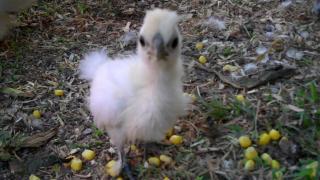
column 159, row 47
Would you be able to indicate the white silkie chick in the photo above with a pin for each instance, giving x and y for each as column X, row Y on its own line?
column 140, row 97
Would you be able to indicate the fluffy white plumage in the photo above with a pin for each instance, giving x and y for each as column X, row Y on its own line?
column 140, row 97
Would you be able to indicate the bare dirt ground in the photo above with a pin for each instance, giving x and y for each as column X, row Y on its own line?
column 259, row 39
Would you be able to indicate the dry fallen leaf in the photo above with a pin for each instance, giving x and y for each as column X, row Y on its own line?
column 39, row 139
column 294, row 108
column 15, row 92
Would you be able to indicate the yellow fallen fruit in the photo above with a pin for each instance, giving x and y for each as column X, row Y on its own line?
column 250, row 153
column 202, row 59
column 275, row 164
column 166, row 178
column 266, row 158
column 76, row 164
column 249, row 165
column 314, row 166
column 119, row 178
column 58, row 92
column 36, row 114
column 278, row 175
column 169, row 132
column 230, row 68
column 166, row 159
column 88, row 154
column 33, row 177
column 245, row 141
column 274, row 134
column 111, row 163
column 68, row 161
column 284, row 138
column 176, row 139
column 264, row 139
column 193, row 97
column 154, row 161
column 133, row 147
column 113, row 168
column 199, row 46
column 240, row 98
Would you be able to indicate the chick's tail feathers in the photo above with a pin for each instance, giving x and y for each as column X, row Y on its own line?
column 90, row 64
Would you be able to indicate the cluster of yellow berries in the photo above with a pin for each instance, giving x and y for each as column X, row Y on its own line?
column 76, row 163
column 202, row 59
column 174, row 139
column 111, row 166
column 156, row 161
column 251, row 153
column 265, row 138
column 162, row 159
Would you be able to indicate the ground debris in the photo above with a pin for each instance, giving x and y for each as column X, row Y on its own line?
column 39, row 139
column 260, row 40
column 262, row 77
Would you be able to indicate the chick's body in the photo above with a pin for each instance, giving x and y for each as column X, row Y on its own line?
column 140, row 97
column 134, row 101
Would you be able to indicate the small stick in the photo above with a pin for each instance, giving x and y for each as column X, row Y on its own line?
column 256, row 117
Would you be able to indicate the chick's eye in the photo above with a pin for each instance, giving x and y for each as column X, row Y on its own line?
column 174, row 43
column 141, row 40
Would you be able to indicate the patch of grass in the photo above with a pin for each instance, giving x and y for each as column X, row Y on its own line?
column 219, row 111
column 307, row 171
column 9, row 142
column 227, row 51
column 149, row 172
column 305, row 62
column 82, row 8
column 235, row 129
column 141, row 170
column 96, row 144
column 78, row 145
column 307, row 98
column 49, row 11
column 243, row 108
column 199, row 178
column 314, row 92
column 17, row 49
column 97, row 132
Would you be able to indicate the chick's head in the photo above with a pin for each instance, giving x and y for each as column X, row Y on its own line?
column 159, row 38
